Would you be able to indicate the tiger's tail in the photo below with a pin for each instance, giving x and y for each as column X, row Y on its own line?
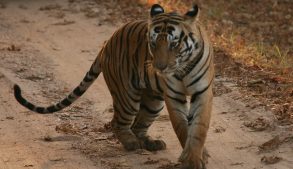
column 87, row 81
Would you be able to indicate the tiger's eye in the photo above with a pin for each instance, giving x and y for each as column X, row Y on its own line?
column 157, row 29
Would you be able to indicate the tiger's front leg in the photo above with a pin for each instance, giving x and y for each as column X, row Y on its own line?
column 194, row 155
column 177, row 109
column 175, row 99
column 191, row 125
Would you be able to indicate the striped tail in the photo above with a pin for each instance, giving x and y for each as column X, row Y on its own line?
column 89, row 78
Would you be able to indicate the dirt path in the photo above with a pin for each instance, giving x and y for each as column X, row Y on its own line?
column 47, row 48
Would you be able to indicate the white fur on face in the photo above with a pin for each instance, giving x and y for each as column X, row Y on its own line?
column 174, row 37
column 153, row 36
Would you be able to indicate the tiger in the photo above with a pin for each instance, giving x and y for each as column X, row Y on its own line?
column 166, row 60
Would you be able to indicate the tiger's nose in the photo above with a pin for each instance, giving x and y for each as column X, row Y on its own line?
column 161, row 66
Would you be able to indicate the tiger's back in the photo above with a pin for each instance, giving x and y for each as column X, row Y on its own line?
column 124, row 55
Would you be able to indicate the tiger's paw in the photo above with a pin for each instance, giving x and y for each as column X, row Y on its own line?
column 153, row 145
column 132, row 145
column 192, row 161
column 128, row 140
column 194, row 165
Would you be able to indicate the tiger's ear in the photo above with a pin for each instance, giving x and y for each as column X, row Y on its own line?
column 192, row 14
column 156, row 9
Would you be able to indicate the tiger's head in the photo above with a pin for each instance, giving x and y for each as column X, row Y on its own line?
column 173, row 39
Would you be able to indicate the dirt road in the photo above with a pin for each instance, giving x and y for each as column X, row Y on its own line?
column 47, row 47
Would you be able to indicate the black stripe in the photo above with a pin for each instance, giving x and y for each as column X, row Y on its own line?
column 188, row 48
column 92, row 73
column 123, row 123
column 124, row 104
column 150, row 110
column 191, row 37
column 189, row 119
column 173, row 22
column 198, row 78
column 52, row 108
column 17, row 95
column 146, row 79
column 158, row 84
column 134, row 80
column 71, row 97
column 129, row 35
column 66, row 102
column 113, row 45
column 59, row 106
column 124, row 118
column 133, row 99
column 140, row 40
column 185, row 41
column 182, row 34
column 114, row 95
column 194, row 95
column 178, row 100
column 40, row 109
column 168, row 16
column 120, row 75
column 121, row 41
column 177, row 77
column 186, row 59
column 189, row 67
column 157, row 97
column 30, row 106
column 193, row 116
column 120, row 116
column 77, row 91
column 169, row 19
column 173, row 90
column 87, row 79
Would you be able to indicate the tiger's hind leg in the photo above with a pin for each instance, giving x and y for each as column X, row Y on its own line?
column 150, row 107
column 125, row 111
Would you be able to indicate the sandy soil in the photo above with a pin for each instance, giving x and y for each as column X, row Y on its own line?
column 47, row 46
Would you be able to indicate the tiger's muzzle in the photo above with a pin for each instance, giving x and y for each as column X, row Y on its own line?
column 163, row 55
